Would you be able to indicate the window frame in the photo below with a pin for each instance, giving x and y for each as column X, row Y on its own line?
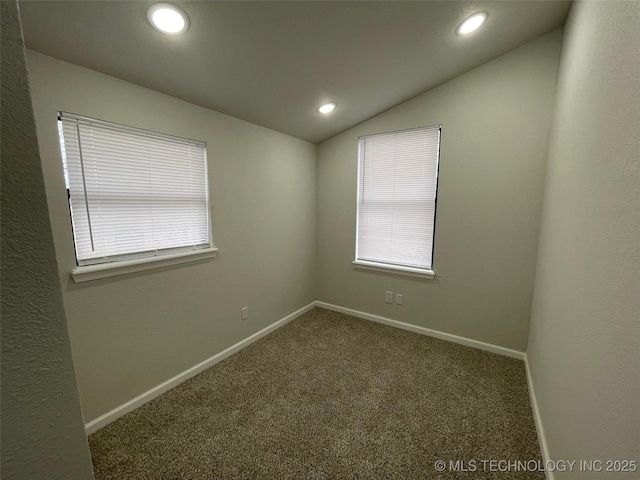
column 142, row 260
column 391, row 268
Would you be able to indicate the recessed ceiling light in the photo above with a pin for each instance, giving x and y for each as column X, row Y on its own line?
column 327, row 108
column 471, row 24
column 168, row 18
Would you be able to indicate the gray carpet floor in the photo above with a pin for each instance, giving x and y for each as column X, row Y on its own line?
column 330, row 396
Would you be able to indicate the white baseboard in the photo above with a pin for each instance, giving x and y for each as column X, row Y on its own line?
column 542, row 440
column 426, row 331
column 158, row 390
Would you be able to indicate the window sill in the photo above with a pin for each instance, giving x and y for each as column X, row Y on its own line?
column 397, row 270
column 104, row 270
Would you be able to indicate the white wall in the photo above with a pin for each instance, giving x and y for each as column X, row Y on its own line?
column 584, row 346
column 133, row 332
column 495, row 125
column 42, row 429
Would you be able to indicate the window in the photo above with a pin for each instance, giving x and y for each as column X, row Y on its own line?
column 133, row 194
column 397, row 184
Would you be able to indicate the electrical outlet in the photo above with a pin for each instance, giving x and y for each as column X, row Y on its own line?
column 244, row 312
column 388, row 297
column 398, row 299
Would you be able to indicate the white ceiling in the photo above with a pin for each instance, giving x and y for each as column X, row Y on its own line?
column 274, row 63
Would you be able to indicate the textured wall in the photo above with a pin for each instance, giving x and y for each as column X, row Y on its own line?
column 133, row 332
column 495, row 125
column 584, row 347
column 42, row 430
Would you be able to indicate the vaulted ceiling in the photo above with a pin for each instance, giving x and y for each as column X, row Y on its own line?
column 274, row 63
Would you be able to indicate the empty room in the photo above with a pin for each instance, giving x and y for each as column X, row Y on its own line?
column 320, row 240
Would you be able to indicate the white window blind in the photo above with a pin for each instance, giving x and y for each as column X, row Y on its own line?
column 397, row 182
column 132, row 193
